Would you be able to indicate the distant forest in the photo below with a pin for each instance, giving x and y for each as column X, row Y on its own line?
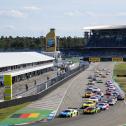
column 32, row 43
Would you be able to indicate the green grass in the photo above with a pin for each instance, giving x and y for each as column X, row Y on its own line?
column 122, row 82
column 120, row 69
column 15, row 117
column 5, row 112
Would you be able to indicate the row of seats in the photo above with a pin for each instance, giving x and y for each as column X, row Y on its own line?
column 106, row 42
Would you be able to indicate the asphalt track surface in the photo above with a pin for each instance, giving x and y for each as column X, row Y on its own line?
column 115, row 116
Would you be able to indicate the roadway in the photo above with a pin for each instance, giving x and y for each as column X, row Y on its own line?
column 115, row 116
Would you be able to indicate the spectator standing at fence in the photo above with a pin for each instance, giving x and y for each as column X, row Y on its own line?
column 26, row 86
column 35, row 83
column 47, row 78
column 57, row 73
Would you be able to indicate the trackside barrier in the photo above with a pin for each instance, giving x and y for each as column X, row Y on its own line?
column 45, row 88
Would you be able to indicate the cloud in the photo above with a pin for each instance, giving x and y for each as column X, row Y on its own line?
column 73, row 13
column 91, row 14
column 8, row 27
column 69, row 14
column 11, row 13
column 121, row 14
column 32, row 8
column 103, row 14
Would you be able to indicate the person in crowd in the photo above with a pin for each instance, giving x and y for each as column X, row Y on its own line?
column 26, row 86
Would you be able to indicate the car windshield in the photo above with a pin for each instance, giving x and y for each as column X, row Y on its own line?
column 110, row 100
column 93, row 98
column 88, row 92
column 88, row 102
column 66, row 111
column 101, row 104
column 95, row 88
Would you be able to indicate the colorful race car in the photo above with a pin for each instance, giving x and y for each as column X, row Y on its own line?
column 91, row 110
column 94, row 98
column 103, row 76
column 99, row 81
column 88, row 103
column 87, row 95
column 103, row 106
column 69, row 113
column 112, row 101
column 91, row 83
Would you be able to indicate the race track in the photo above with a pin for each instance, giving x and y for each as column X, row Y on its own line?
column 115, row 116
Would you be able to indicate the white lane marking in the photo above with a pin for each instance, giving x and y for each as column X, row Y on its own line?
column 124, row 102
column 66, row 93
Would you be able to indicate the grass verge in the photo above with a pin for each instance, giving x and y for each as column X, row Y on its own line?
column 5, row 112
column 119, row 74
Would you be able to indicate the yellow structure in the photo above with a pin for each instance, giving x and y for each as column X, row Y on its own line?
column 8, row 87
column 94, row 59
column 117, row 59
column 51, row 41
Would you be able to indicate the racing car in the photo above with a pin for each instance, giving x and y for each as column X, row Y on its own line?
column 94, row 98
column 88, row 103
column 103, row 106
column 87, row 95
column 99, row 81
column 91, row 110
column 112, row 101
column 69, row 113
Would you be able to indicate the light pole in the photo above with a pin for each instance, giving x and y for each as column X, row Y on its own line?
column 57, row 39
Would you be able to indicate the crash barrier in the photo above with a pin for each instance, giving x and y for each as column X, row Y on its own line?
column 104, row 59
column 45, row 88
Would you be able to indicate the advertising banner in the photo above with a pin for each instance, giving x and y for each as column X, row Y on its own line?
column 94, row 59
column 50, row 43
column 7, row 87
column 117, row 59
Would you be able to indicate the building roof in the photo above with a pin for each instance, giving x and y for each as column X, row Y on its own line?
column 103, row 27
column 17, row 58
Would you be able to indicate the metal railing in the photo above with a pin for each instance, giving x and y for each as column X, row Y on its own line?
column 45, row 85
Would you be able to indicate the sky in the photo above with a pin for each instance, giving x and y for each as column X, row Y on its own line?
column 35, row 17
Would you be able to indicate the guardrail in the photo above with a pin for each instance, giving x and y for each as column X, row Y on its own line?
column 45, row 88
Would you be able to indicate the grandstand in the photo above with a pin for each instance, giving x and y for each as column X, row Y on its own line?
column 106, row 36
column 24, row 65
column 105, row 41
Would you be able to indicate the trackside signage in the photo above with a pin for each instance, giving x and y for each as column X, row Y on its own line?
column 7, row 87
column 104, row 59
column 117, row 59
column 94, row 59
